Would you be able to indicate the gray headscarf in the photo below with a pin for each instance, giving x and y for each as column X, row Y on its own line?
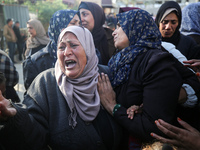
column 81, row 93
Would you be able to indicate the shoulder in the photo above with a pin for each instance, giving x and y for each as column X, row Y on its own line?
column 187, row 39
column 153, row 58
column 40, row 54
column 44, row 79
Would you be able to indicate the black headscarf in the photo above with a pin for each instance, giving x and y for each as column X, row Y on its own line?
column 170, row 4
column 98, row 32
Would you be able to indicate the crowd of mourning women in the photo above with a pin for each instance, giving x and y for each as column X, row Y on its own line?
column 128, row 84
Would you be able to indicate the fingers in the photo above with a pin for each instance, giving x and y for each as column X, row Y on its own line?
column 130, row 114
column 186, row 125
column 132, row 110
column 1, row 96
column 192, row 61
column 6, row 112
column 165, row 140
column 168, row 129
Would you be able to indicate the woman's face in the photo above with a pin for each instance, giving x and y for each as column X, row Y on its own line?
column 31, row 30
column 75, row 21
column 87, row 19
column 120, row 38
column 168, row 26
column 71, row 56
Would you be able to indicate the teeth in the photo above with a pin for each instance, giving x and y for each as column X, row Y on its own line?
column 70, row 61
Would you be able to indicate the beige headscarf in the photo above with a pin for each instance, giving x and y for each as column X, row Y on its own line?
column 40, row 38
column 81, row 93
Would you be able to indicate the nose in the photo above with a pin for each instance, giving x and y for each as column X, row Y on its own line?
column 168, row 26
column 68, row 51
column 114, row 32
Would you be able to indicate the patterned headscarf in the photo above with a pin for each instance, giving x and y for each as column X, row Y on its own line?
column 191, row 19
column 143, row 34
column 58, row 22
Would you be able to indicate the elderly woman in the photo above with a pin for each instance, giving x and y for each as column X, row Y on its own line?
column 141, row 73
column 168, row 20
column 37, row 37
column 63, row 104
column 46, row 57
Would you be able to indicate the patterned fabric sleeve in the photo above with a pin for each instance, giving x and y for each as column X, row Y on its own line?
column 9, row 70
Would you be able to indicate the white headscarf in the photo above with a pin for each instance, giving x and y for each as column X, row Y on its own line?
column 81, row 93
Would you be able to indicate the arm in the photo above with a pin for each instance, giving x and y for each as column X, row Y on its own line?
column 188, row 138
column 27, row 125
column 5, row 33
column 156, row 101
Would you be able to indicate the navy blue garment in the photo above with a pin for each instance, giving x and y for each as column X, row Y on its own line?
column 141, row 39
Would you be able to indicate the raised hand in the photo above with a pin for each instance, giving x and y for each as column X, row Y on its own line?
column 6, row 109
column 106, row 93
column 185, row 139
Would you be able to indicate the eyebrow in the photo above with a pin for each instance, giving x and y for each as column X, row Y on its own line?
column 170, row 20
column 85, row 11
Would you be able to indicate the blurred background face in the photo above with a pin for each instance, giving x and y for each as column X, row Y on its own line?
column 71, row 56
column 10, row 23
column 17, row 25
column 31, row 30
column 87, row 19
column 75, row 21
column 120, row 38
column 168, row 26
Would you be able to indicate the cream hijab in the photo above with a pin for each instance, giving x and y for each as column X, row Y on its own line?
column 81, row 93
column 40, row 38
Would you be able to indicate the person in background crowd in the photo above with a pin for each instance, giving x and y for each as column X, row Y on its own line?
column 140, row 73
column 62, row 104
column 12, row 77
column 20, row 39
column 190, row 24
column 37, row 37
column 46, row 57
column 93, row 18
column 168, row 20
column 111, row 21
column 10, row 38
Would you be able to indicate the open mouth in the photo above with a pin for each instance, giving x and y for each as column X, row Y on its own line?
column 70, row 63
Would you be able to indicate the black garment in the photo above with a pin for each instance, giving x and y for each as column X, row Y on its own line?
column 36, row 63
column 45, row 122
column 110, row 40
column 12, row 94
column 18, row 34
column 20, row 41
column 98, row 32
column 33, row 50
column 154, row 81
column 195, row 37
column 188, row 47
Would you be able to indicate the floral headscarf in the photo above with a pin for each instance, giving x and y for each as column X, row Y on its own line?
column 143, row 34
column 58, row 22
column 191, row 19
